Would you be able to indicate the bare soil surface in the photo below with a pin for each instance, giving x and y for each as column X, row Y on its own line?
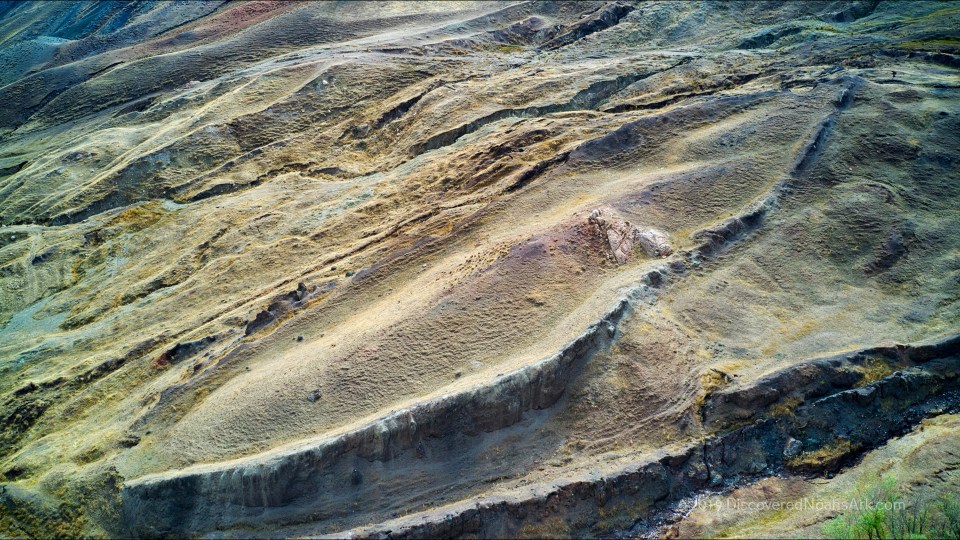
column 281, row 268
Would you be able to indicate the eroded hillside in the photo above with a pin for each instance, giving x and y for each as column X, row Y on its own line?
column 469, row 268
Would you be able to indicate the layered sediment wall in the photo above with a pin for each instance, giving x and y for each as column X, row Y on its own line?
column 292, row 484
column 839, row 422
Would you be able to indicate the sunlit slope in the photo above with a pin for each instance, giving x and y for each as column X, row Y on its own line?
column 303, row 268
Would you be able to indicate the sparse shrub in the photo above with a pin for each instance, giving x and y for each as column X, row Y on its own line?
column 880, row 513
column 909, row 521
column 947, row 522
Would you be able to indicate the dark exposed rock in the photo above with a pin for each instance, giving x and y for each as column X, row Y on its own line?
column 835, row 429
column 182, row 351
column 605, row 17
column 792, row 448
column 42, row 257
column 857, row 10
column 263, row 319
column 7, row 171
column 767, row 38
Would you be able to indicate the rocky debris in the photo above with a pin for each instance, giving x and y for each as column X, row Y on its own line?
column 263, row 319
column 182, row 351
column 521, row 32
column 654, row 242
column 792, row 448
column 280, row 306
column 622, row 236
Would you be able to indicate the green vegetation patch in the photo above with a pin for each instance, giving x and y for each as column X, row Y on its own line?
column 880, row 512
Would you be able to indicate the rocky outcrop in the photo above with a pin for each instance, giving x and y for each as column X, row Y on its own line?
column 280, row 306
column 622, row 236
column 817, row 378
column 605, row 17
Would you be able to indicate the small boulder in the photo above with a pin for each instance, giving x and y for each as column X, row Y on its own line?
column 622, row 236
column 792, row 448
column 655, row 242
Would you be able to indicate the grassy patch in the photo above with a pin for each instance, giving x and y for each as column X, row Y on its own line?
column 824, row 458
column 880, row 511
column 786, row 407
column 875, row 369
column 137, row 218
column 945, row 44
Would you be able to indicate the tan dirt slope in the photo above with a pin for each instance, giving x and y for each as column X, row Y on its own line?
column 283, row 268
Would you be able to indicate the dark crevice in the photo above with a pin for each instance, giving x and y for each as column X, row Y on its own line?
column 602, row 19
column 856, row 11
column 8, row 171
column 227, row 187
column 587, row 99
column 767, row 38
column 732, row 82
column 103, row 70
column 396, row 112
column 536, row 171
column 943, row 59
